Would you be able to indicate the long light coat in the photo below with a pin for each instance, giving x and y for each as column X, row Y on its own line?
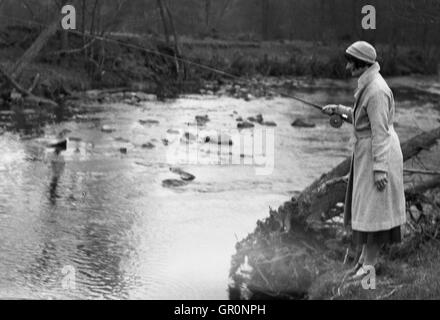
column 377, row 148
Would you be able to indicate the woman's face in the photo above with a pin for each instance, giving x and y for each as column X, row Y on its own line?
column 355, row 72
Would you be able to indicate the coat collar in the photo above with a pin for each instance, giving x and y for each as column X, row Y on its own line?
column 368, row 76
column 363, row 81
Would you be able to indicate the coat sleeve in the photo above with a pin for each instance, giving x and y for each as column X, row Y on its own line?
column 378, row 109
column 347, row 111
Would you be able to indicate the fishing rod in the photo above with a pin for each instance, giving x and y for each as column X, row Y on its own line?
column 336, row 120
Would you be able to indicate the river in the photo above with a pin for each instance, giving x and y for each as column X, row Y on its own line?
column 96, row 222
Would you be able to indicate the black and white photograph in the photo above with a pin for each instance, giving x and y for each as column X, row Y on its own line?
column 219, row 150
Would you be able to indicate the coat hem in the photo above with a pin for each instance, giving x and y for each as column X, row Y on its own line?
column 377, row 227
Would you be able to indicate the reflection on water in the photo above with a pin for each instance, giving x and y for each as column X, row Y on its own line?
column 105, row 215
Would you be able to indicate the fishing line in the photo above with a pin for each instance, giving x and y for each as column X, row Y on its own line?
column 335, row 120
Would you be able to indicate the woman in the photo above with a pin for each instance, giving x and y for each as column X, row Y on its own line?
column 375, row 200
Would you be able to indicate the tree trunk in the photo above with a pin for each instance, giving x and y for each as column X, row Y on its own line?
column 207, row 14
column 83, row 25
column 12, row 74
column 176, row 42
column 34, row 49
column 164, row 21
column 173, row 29
column 64, row 47
column 265, row 19
column 322, row 195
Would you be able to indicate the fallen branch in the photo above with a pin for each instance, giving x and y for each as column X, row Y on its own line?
column 34, row 83
column 418, row 171
column 423, row 186
column 72, row 51
column 25, row 93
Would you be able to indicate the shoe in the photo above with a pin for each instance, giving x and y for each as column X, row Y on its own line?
column 360, row 274
column 353, row 270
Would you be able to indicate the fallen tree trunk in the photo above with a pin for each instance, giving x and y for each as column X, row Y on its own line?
column 27, row 95
column 321, row 196
column 34, row 49
column 11, row 76
column 423, row 186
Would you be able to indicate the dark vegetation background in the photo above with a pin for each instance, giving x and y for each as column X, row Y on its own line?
column 243, row 37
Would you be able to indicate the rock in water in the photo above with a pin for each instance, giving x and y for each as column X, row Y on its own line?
column 269, row 123
column 300, row 123
column 148, row 145
column 120, row 139
column 189, row 136
column 202, row 120
column 107, row 129
column 185, row 176
column 220, row 139
column 148, row 122
column 173, row 131
column 245, row 125
column 123, row 150
column 61, row 144
column 173, row 183
column 258, row 118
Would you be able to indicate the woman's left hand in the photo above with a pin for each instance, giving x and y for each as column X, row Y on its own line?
column 380, row 180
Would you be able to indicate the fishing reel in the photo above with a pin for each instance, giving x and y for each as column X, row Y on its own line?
column 336, row 121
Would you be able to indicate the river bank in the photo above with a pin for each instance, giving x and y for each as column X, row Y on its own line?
column 147, row 64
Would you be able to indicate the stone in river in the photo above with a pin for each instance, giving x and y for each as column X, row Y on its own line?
column 148, row 121
column 107, row 129
column 258, row 118
column 120, row 139
column 123, row 150
column 202, row 120
column 239, row 119
column 148, row 145
column 173, row 183
column 76, row 139
column 185, row 176
column 245, row 125
column 173, row 131
column 189, row 136
column 248, row 97
column 60, row 144
column 222, row 139
column 269, row 123
column 303, row 124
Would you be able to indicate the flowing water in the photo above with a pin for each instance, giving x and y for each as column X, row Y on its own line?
column 96, row 222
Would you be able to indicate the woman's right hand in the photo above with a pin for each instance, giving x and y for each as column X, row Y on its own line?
column 330, row 109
